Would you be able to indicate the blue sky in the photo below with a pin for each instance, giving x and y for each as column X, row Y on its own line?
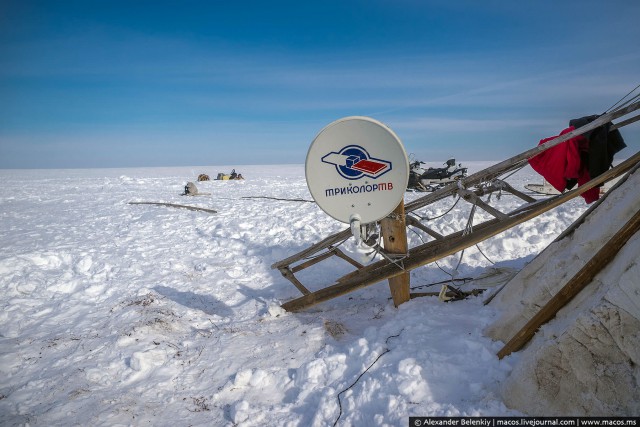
column 153, row 83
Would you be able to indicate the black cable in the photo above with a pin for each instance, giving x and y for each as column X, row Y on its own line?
column 387, row 350
column 443, row 270
column 621, row 99
column 276, row 198
column 628, row 102
column 422, row 218
column 516, row 170
column 483, row 254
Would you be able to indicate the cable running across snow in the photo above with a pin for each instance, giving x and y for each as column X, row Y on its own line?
column 386, row 350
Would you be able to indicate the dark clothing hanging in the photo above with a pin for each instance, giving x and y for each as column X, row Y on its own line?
column 563, row 165
column 603, row 144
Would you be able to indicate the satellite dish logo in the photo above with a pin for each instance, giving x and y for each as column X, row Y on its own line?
column 353, row 162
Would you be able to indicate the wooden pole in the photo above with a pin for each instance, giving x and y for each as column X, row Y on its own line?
column 394, row 235
column 573, row 287
column 173, row 205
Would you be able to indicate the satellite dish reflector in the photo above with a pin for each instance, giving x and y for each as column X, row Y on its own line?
column 357, row 170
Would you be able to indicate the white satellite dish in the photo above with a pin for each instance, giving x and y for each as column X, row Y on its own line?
column 357, row 170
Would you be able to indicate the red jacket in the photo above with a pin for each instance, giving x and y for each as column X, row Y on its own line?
column 563, row 163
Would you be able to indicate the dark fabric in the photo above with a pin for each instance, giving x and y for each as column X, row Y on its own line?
column 603, row 144
column 563, row 165
column 190, row 189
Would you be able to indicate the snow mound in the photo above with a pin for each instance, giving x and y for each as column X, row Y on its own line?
column 585, row 361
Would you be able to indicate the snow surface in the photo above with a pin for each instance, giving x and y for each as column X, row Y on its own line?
column 120, row 314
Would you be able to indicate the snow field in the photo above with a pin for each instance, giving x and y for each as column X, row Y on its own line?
column 133, row 314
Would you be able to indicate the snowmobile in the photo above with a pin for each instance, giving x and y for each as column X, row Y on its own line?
column 430, row 179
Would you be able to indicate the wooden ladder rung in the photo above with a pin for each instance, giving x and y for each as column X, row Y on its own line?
column 312, row 261
column 416, row 223
column 287, row 274
column 350, row 260
column 472, row 198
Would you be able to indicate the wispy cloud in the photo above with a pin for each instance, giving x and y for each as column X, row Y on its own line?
column 447, row 124
column 128, row 86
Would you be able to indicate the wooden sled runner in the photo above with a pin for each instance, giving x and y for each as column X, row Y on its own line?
column 469, row 190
